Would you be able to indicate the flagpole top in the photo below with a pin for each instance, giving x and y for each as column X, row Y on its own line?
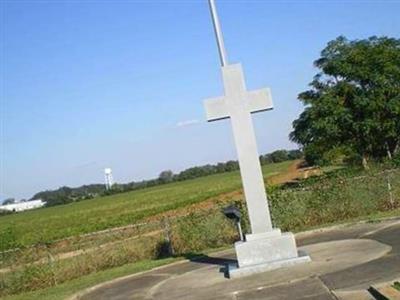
column 218, row 33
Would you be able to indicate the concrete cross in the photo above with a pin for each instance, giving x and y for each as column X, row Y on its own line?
column 238, row 104
column 266, row 248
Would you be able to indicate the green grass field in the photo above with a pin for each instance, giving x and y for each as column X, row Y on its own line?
column 49, row 224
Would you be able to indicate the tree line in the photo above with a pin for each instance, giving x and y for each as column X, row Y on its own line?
column 64, row 195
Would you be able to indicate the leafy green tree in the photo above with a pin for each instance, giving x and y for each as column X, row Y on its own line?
column 279, row 156
column 354, row 101
column 8, row 201
column 166, row 176
column 295, row 154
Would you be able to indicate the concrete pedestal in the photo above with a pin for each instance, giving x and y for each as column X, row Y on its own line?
column 264, row 252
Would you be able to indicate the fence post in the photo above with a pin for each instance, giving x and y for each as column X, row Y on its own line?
column 167, row 235
column 391, row 200
column 51, row 261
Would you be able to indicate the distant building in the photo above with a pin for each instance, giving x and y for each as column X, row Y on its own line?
column 21, row 206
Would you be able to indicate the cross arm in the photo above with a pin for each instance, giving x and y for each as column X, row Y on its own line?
column 257, row 101
column 216, row 109
column 260, row 100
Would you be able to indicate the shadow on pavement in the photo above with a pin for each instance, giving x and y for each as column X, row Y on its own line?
column 208, row 260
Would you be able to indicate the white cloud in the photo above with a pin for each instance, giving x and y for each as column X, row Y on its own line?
column 187, row 123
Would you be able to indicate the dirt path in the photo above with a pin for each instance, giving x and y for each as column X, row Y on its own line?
column 292, row 173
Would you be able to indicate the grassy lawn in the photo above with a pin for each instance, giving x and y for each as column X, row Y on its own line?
column 48, row 224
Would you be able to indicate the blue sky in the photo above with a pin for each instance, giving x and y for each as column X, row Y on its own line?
column 92, row 84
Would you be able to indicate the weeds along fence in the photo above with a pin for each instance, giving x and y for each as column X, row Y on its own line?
column 49, row 264
column 74, row 246
column 337, row 196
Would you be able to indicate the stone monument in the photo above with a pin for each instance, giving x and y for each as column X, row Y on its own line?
column 266, row 248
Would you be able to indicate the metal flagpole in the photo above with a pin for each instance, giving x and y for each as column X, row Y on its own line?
column 218, row 33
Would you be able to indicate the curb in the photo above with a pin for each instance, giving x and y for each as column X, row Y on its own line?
column 306, row 233
column 302, row 234
column 78, row 295
column 384, row 290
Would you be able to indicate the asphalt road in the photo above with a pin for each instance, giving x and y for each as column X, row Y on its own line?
column 345, row 258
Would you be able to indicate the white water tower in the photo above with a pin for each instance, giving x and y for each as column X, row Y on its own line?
column 108, row 178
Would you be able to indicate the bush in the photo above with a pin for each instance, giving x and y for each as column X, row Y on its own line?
column 202, row 230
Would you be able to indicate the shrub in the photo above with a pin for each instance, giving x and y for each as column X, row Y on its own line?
column 201, row 230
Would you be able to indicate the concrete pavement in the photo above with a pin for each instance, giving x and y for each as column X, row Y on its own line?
column 343, row 259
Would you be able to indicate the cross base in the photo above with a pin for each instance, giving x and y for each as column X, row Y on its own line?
column 264, row 252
